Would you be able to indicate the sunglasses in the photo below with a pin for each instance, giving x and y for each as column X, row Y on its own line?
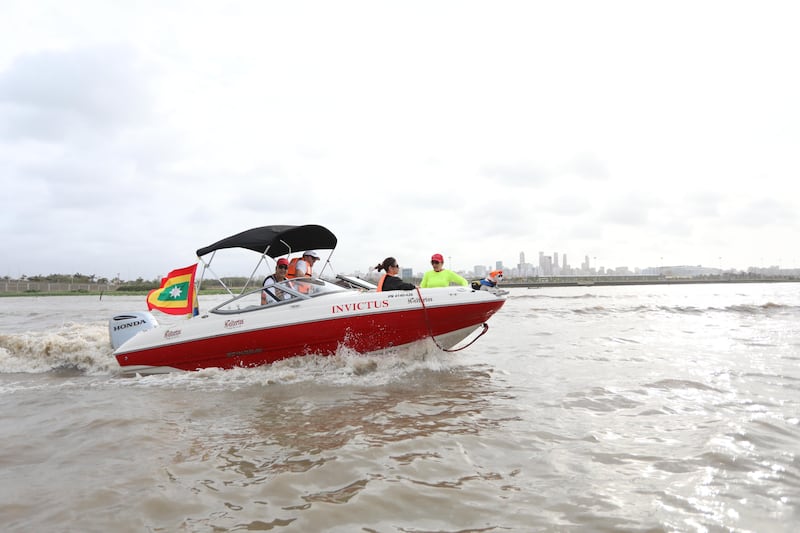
column 395, row 266
column 283, row 267
column 435, row 262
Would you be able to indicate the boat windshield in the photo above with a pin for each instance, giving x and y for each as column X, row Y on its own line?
column 278, row 294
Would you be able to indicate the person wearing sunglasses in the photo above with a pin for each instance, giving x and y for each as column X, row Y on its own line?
column 440, row 276
column 390, row 281
column 280, row 274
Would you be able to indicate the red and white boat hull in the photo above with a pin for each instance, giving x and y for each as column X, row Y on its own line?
column 362, row 321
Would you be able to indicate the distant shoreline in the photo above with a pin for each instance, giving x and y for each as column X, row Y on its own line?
column 677, row 281
column 583, row 282
column 101, row 294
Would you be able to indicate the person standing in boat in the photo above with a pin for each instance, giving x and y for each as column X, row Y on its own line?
column 390, row 281
column 280, row 274
column 440, row 276
column 303, row 266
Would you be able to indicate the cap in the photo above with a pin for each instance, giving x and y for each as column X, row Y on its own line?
column 283, row 261
column 437, row 257
column 312, row 253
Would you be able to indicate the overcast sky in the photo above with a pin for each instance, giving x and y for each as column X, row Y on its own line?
column 637, row 133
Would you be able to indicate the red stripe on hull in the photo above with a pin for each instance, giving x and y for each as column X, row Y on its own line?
column 362, row 333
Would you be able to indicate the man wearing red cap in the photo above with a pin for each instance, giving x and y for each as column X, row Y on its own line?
column 280, row 274
column 439, row 276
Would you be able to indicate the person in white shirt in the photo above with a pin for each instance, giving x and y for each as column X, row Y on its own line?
column 303, row 266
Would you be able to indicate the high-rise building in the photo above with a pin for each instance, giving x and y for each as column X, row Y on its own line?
column 522, row 267
column 545, row 265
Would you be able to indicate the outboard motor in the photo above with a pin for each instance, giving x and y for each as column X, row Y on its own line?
column 122, row 327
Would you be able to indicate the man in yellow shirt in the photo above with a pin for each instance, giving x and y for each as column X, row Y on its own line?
column 439, row 276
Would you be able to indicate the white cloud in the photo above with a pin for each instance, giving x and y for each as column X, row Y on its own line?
column 53, row 95
column 626, row 131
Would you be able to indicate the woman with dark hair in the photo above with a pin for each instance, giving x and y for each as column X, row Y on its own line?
column 390, row 281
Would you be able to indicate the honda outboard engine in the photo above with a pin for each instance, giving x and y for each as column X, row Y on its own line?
column 123, row 327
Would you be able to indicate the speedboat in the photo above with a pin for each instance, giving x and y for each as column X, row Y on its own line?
column 297, row 317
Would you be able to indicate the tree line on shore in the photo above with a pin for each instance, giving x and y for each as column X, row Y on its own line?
column 82, row 283
column 116, row 284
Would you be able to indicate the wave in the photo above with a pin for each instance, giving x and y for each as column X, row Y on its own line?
column 559, row 297
column 345, row 368
column 599, row 399
column 766, row 309
column 680, row 384
column 84, row 349
column 756, row 309
column 596, row 309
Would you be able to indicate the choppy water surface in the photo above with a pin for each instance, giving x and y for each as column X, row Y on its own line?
column 648, row 408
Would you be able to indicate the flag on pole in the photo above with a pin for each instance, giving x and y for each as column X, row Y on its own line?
column 176, row 295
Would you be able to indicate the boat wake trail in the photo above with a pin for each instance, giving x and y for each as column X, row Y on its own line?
column 82, row 347
column 345, row 368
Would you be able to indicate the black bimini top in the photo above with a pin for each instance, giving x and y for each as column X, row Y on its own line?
column 277, row 240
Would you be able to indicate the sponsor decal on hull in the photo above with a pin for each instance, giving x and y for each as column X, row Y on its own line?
column 359, row 306
column 242, row 353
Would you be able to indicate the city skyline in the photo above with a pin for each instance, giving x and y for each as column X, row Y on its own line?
column 546, row 266
column 557, row 264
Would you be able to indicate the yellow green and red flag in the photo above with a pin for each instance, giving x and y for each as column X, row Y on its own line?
column 176, row 295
